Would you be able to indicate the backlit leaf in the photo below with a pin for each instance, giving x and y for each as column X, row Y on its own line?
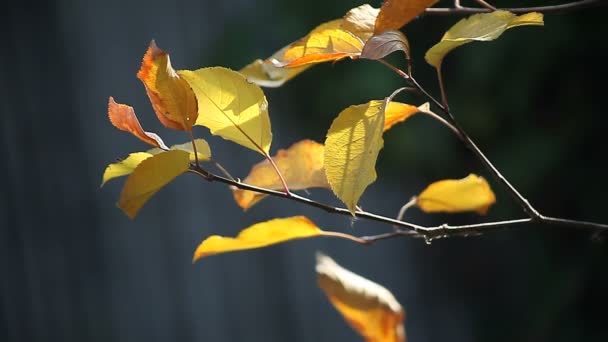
column 124, row 167
column 264, row 234
column 171, row 97
column 202, row 149
column 351, row 149
column 396, row 13
column 150, row 176
column 368, row 307
column 382, row 45
column 323, row 46
column 301, row 166
column 478, row 27
column 397, row 112
column 123, row 117
column 231, row 107
column 360, row 21
column 472, row 193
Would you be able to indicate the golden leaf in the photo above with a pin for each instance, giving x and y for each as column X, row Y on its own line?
column 351, row 149
column 171, row 97
column 472, row 193
column 478, row 27
column 231, row 107
column 150, row 176
column 301, row 166
column 124, row 167
column 368, row 307
column 397, row 112
column 202, row 149
column 396, row 13
column 323, row 46
column 123, row 117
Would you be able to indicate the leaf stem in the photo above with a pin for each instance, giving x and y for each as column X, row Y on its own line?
column 460, row 10
column 276, row 168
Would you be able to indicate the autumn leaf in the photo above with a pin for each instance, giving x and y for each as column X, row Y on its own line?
column 396, row 13
column 149, row 176
column 368, row 307
column 323, row 46
column 301, row 166
column 360, row 21
column 397, row 112
column 472, row 193
column 171, row 97
column 124, row 167
column 478, row 27
column 268, row 73
column 382, row 45
column 351, row 149
column 264, row 234
column 123, row 117
column 231, row 107
column 202, row 149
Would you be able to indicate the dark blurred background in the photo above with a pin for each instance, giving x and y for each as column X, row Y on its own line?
column 75, row 268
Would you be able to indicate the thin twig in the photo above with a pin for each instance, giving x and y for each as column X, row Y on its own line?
column 486, row 5
column 276, row 169
column 459, row 10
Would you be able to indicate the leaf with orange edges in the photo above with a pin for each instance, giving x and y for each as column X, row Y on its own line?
column 123, row 117
column 171, row 97
column 324, row 46
column 264, row 234
column 368, row 307
column 396, row 13
column 397, row 112
column 301, row 166
column 472, row 193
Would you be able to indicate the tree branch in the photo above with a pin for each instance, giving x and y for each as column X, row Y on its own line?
column 460, row 10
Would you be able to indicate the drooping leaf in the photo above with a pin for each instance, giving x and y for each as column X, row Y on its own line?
column 396, row 13
column 385, row 43
column 351, row 149
column 124, row 167
column 267, row 73
column 202, row 149
column 263, row 234
column 123, row 117
column 397, row 112
column 231, row 107
column 368, row 307
column 324, row 46
column 150, row 176
column 171, row 97
column 472, row 193
column 301, row 166
column 478, row 27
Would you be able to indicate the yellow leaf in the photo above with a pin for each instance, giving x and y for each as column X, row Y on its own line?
column 150, row 176
column 301, row 166
column 171, row 97
column 264, row 234
column 396, row 13
column 368, row 307
column 472, row 193
column 397, row 112
column 478, row 27
column 202, row 149
column 351, row 149
column 124, row 167
column 360, row 21
column 123, row 117
column 231, row 107
column 323, row 46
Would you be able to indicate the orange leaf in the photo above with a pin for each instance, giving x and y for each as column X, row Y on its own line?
column 171, row 97
column 326, row 45
column 123, row 117
column 301, row 166
column 396, row 13
column 368, row 307
column 397, row 112
column 264, row 234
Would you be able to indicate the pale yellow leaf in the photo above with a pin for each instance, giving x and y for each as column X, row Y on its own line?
column 478, row 27
column 396, row 13
column 301, row 166
column 351, row 149
column 264, row 234
column 124, row 167
column 231, row 107
column 150, row 176
column 472, row 193
column 368, row 307
column 360, row 21
column 202, row 149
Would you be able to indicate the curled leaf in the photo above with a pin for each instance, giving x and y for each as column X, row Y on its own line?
column 323, row 46
column 263, row 234
column 396, row 13
column 301, row 166
column 123, row 117
column 478, row 27
column 231, row 107
column 202, row 149
column 149, row 176
column 472, row 193
column 385, row 43
column 368, row 307
column 397, row 112
column 171, row 97
column 267, row 73
column 124, row 167
column 351, row 149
